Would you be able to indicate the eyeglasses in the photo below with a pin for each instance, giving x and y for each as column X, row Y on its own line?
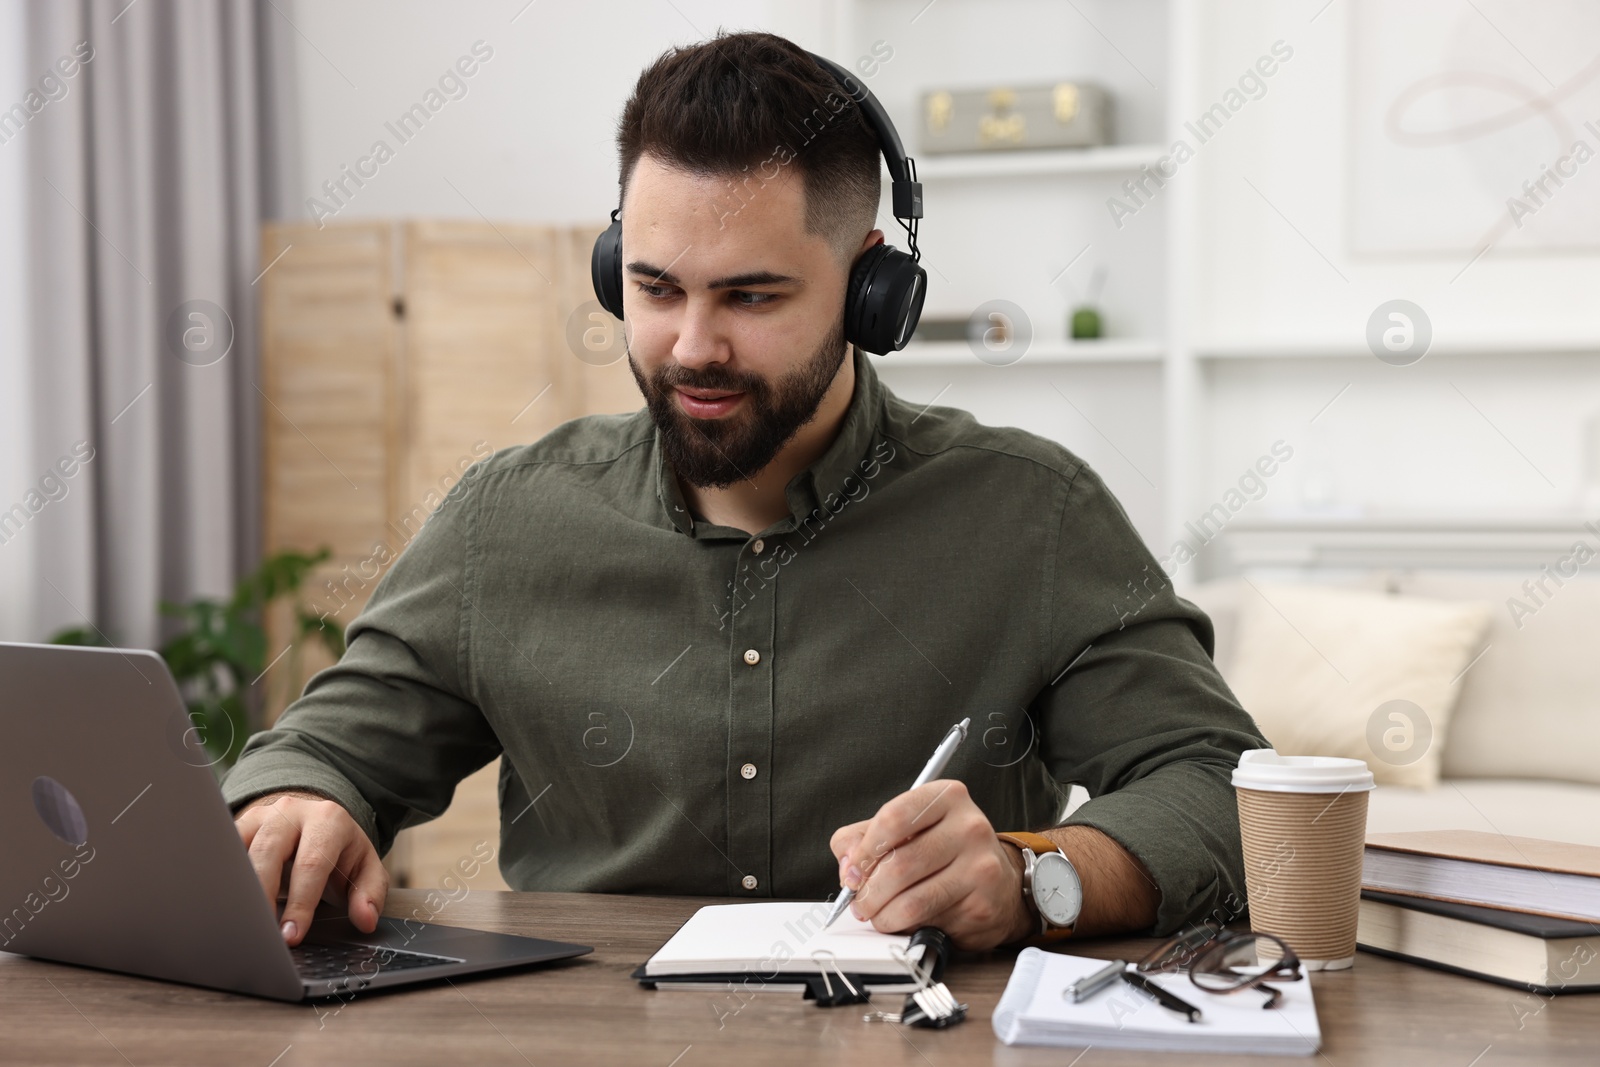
column 1222, row 961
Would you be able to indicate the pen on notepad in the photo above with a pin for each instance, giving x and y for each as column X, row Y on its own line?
column 1156, row 993
column 935, row 767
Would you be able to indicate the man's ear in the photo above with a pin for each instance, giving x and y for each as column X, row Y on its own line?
column 876, row 237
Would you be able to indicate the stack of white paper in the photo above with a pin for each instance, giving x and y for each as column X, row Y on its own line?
column 1033, row 1011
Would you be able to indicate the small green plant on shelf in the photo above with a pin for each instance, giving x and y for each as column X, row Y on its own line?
column 221, row 652
column 1084, row 323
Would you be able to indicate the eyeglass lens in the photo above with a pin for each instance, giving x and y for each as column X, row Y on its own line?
column 1241, row 961
column 1180, row 952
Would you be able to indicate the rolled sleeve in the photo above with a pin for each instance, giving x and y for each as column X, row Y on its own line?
column 391, row 729
column 289, row 766
column 1137, row 712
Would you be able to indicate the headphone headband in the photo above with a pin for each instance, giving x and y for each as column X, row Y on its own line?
column 906, row 190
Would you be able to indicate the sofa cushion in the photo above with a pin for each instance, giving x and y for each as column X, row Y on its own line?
column 1220, row 598
column 1555, row 811
column 1530, row 707
column 1344, row 672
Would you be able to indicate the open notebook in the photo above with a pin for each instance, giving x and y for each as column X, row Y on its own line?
column 1032, row 1011
column 775, row 941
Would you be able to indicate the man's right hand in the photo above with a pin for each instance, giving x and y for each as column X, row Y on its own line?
column 311, row 849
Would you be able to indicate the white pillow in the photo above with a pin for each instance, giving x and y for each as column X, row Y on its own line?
column 1341, row 672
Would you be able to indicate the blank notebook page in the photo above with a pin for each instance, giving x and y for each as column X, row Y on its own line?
column 776, row 935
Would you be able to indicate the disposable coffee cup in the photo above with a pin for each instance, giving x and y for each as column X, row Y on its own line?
column 1303, row 825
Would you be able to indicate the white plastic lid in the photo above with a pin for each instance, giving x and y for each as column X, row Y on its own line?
column 1264, row 769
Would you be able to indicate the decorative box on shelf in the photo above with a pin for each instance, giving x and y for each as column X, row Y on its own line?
column 1063, row 114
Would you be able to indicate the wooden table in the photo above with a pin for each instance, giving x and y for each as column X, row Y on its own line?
column 587, row 1011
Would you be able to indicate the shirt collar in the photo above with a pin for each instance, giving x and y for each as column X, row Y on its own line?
column 806, row 491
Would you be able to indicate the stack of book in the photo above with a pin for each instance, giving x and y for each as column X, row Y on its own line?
column 1515, row 910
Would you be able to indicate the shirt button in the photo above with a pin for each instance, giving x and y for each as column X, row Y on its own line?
column 748, row 770
column 749, row 881
column 752, row 657
column 758, row 546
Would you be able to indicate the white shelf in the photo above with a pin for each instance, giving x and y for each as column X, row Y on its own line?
column 1564, row 523
column 1025, row 162
column 958, row 353
column 1306, row 349
column 1427, row 542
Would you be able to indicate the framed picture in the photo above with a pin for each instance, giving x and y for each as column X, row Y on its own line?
column 1474, row 126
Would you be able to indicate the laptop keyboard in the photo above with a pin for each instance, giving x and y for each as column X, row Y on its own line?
column 320, row 962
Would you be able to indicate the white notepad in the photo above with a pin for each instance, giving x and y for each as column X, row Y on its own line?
column 779, row 937
column 1032, row 1011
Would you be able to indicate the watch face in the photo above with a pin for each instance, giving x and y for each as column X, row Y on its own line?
column 1056, row 889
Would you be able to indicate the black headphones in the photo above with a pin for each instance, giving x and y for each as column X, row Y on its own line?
column 884, row 297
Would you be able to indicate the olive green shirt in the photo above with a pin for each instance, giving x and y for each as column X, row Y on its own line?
column 688, row 708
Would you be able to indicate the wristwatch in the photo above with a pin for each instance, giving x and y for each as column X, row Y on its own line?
column 1050, row 883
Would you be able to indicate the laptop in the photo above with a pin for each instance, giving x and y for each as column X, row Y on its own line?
column 120, row 853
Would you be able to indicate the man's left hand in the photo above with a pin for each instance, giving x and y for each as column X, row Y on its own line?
column 929, row 857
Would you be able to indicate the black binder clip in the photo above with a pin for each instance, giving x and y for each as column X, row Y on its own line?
column 827, row 996
column 932, row 1006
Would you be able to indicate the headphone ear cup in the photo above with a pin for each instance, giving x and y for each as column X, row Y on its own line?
column 605, row 268
column 855, row 293
column 883, row 299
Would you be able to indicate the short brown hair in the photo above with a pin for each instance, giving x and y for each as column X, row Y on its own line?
column 745, row 105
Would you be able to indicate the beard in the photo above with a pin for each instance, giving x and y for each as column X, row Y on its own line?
column 715, row 453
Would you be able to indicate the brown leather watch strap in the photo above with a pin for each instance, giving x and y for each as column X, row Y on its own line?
column 1040, row 844
column 1024, row 839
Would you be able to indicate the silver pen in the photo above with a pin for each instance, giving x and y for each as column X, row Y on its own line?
column 1089, row 985
column 936, row 765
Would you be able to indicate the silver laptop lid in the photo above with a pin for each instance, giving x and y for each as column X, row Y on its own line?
column 119, row 850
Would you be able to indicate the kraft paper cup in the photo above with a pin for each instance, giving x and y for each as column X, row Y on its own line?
column 1303, row 825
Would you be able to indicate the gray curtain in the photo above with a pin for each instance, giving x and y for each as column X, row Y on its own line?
column 145, row 202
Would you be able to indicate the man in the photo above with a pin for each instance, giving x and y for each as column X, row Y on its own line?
column 715, row 639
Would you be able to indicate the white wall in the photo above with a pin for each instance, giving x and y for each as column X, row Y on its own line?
column 534, row 136
column 1262, row 279
column 1455, row 434
column 16, row 453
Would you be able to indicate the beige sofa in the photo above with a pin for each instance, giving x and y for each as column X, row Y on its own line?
column 1521, row 754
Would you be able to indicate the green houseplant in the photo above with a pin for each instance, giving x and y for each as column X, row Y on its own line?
column 220, row 653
